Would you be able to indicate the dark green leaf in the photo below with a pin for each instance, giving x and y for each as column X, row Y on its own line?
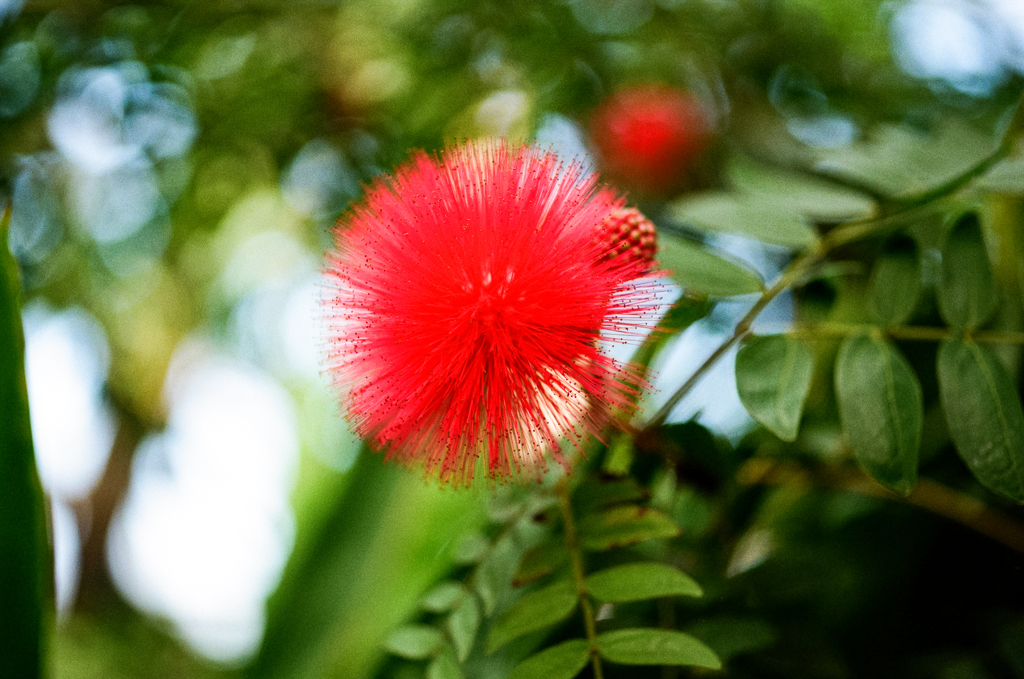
column 895, row 284
column 639, row 581
column 623, row 526
column 563, row 661
column 24, row 560
column 462, row 626
column 734, row 213
column 881, row 409
column 414, row 642
column 699, row 271
column 444, row 597
column 595, row 492
column 773, row 377
column 728, row 637
column 967, row 290
column 534, row 611
column 983, row 412
column 655, row 647
column 444, row 666
column 539, row 561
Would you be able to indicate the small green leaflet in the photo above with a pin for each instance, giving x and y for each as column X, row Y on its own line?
column 734, row 213
column 444, row 666
column 624, row 525
column 640, row 581
column 881, row 410
column 773, row 377
column 895, row 283
column 984, row 415
column 699, row 271
column 414, row 642
column 539, row 561
column 462, row 626
column 655, row 647
column 563, row 661
column 534, row 611
column 967, row 290
column 443, row 597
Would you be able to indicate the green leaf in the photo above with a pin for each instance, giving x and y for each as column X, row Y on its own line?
column 24, row 555
column 733, row 213
column 881, row 410
column 623, row 526
column 534, row 611
column 655, row 647
column 444, row 666
column 593, row 493
column 414, row 642
column 640, row 581
column 699, row 271
column 816, row 198
column 729, row 637
column 462, row 627
column 895, row 283
column 967, row 289
column 773, row 377
column 495, row 573
column 471, row 549
column 444, row 597
column 563, row 661
column 539, row 561
column 983, row 412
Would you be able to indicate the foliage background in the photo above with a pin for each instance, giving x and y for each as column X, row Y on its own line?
column 174, row 169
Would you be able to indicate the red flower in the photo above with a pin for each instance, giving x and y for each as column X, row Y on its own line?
column 466, row 297
column 648, row 135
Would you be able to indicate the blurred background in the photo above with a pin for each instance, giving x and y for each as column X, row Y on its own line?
column 174, row 169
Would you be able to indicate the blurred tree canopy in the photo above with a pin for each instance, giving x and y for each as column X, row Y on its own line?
column 843, row 489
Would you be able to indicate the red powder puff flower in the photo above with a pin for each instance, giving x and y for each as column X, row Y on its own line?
column 648, row 135
column 465, row 302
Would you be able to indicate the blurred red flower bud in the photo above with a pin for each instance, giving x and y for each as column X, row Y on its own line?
column 647, row 136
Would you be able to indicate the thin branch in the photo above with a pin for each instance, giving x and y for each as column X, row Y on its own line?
column 934, row 497
column 572, row 543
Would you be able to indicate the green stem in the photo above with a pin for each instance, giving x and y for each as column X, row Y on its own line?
column 25, row 585
column 576, row 557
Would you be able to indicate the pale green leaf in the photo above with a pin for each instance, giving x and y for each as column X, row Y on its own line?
column 655, row 647
column 414, row 642
column 790, row 192
column 746, row 216
column 699, row 271
column 563, row 661
column 773, row 377
column 443, row 597
column 640, row 581
column 462, row 626
column 881, row 410
column 984, row 415
column 444, row 666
